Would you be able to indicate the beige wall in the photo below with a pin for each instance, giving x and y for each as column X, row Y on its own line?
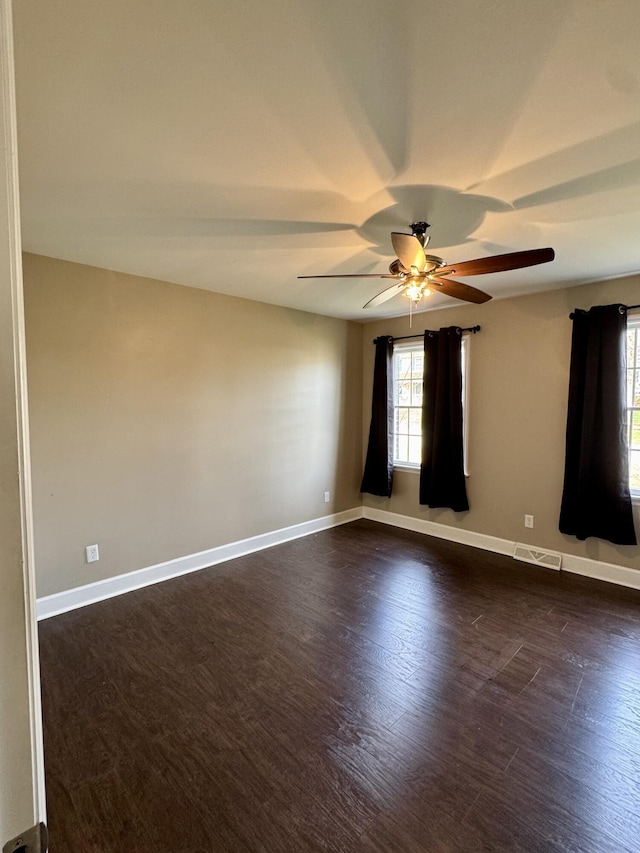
column 519, row 374
column 168, row 420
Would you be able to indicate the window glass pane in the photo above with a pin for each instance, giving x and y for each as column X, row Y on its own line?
column 633, row 402
column 403, row 421
column 415, row 422
column 404, row 365
column 414, row 448
column 404, row 393
column 416, row 392
column 403, row 448
column 634, row 470
column 418, row 359
column 635, row 430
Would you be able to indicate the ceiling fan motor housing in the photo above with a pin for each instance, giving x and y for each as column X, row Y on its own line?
column 419, row 230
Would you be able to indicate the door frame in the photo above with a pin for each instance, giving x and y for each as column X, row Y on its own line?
column 11, row 271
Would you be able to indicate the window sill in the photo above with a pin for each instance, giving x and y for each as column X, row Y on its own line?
column 414, row 469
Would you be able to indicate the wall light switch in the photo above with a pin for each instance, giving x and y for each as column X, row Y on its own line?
column 92, row 553
column 528, row 521
column 327, row 497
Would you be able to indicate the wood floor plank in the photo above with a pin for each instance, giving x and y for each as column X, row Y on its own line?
column 362, row 689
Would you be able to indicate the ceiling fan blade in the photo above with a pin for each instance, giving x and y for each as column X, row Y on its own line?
column 352, row 275
column 409, row 250
column 459, row 290
column 381, row 297
column 500, row 263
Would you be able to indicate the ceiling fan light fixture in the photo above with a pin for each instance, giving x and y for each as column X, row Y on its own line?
column 414, row 291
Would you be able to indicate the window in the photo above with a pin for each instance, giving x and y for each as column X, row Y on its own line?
column 408, row 367
column 633, row 402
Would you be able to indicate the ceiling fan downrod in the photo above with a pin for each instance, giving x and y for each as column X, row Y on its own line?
column 419, row 231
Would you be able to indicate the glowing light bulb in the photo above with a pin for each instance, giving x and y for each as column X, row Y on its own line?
column 414, row 291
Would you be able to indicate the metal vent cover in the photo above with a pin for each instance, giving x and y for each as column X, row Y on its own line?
column 528, row 554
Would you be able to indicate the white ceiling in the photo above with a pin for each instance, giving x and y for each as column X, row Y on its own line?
column 233, row 145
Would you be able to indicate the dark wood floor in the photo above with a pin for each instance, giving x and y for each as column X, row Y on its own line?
column 364, row 689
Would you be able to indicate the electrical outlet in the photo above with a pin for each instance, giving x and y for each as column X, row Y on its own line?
column 528, row 521
column 327, row 497
column 92, row 553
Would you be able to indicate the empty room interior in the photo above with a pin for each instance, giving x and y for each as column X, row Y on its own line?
column 332, row 324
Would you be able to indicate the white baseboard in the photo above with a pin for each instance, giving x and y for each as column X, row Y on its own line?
column 610, row 572
column 61, row 602
column 441, row 531
column 596, row 569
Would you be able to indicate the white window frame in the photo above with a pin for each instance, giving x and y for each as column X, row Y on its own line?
column 398, row 348
column 418, row 346
column 633, row 323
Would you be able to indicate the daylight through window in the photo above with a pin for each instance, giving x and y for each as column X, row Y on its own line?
column 633, row 401
column 408, row 368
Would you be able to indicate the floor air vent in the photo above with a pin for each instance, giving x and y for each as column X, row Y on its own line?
column 548, row 559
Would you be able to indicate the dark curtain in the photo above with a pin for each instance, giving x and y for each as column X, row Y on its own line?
column 442, row 482
column 378, row 469
column 595, row 498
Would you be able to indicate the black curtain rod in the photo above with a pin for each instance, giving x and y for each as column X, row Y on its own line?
column 472, row 329
column 623, row 308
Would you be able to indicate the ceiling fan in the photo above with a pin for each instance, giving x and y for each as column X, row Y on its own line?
column 418, row 275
